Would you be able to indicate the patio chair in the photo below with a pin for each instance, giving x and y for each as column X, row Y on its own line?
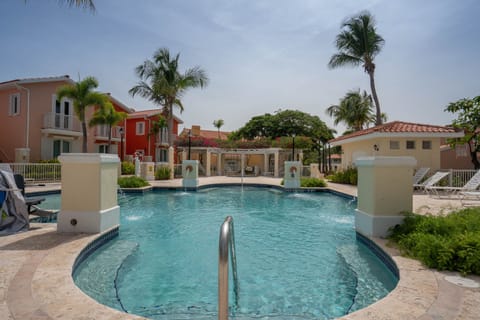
column 32, row 202
column 5, row 220
column 470, row 186
column 419, row 175
column 433, row 180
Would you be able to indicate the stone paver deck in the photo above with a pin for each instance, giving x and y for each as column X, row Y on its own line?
column 36, row 266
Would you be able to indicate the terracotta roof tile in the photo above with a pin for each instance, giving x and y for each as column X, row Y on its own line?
column 398, row 127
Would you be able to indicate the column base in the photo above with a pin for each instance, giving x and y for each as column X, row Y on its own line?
column 190, row 183
column 88, row 222
column 375, row 226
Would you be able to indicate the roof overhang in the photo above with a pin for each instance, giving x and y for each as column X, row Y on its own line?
column 380, row 135
column 14, row 83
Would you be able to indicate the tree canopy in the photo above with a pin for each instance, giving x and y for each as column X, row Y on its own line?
column 283, row 123
column 468, row 119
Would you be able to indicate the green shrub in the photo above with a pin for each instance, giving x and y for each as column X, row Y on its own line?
column 309, row 183
column 128, row 168
column 132, row 182
column 162, row 173
column 348, row 176
column 312, row 183
column 445, row 243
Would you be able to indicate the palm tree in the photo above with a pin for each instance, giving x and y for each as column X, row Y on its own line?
column 358, row 44
column 218, row 124
column 107, row 116
column 162, row 83
column 355, row 110
column 83, row 97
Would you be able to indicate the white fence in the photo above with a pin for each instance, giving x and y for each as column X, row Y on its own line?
column 37, row 172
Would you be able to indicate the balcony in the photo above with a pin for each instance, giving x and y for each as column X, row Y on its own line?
column 101, row 133
column 56, row 123
column 161, row 139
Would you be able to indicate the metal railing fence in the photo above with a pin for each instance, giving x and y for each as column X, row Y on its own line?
column 37, row 172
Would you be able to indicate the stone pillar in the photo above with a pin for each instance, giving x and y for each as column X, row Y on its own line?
column 384, row 192
column 89, row 193
column 314, row 171
column 276, row 172
column 208, row 171
column 190, row 173
column 292, row 174
column 219, row 164
column 147, row 171
column 136, row 161
column 265, row 163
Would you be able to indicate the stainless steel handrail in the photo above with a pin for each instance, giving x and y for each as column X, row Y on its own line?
column 226, row 242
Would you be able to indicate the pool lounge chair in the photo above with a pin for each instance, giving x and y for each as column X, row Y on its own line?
column 419, row 175
column 471, row 186
column 433, row 180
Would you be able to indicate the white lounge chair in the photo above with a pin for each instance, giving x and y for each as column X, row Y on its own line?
column 470, row 186
column 419, row 175
column 431, row 181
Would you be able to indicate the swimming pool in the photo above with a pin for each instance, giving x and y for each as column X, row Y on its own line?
column 297, row 255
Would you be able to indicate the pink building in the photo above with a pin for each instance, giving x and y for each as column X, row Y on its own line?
column 35, row 126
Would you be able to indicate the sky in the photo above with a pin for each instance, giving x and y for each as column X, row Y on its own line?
column 260, row 55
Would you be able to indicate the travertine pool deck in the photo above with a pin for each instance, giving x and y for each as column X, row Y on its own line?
column 36, row 267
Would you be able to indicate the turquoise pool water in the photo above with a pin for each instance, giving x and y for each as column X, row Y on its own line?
column 297, row 255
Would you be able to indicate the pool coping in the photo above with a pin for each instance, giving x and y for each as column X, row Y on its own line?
column 42, row 283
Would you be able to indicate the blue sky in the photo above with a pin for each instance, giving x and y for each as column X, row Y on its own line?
column 260, row 55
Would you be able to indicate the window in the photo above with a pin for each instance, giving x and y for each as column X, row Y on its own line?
column 59, row 147
column 14, row 104
column 394, row 145
column 102, row 148
column 426, row 145
column 410, row 144
column 140, row 128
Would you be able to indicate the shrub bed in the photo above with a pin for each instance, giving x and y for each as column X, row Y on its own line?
column 348, row 176
column 132, row 182
column 162, row 173
column 128, row 168
column 446, row 243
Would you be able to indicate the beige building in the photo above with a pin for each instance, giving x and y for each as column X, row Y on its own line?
column 397, row 138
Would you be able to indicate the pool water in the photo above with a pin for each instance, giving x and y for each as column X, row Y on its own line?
column 297, row 256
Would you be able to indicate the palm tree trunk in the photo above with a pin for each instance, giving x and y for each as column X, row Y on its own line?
column 109, row 138
column 84, row 130
column 375, row 98
column 170, row 124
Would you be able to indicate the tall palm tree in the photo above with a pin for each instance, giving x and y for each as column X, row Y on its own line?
column 162, row 83
column 107, row 116
column 83, row 97
column 355, row 110
column 218, row 124
column 359, row 44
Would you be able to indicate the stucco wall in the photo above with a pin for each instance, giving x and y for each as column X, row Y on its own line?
column 425, row 158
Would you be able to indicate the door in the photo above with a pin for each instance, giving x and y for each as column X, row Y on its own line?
column 60, row 146
column 63, row 114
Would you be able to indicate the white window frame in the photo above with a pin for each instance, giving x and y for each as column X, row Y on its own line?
column 394, row 145
column 429, row 143
column 140, row 128
column 414, row 145
column 14, row 104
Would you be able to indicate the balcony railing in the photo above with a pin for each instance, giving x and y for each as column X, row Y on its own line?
column 101, row 131
column 59, row 121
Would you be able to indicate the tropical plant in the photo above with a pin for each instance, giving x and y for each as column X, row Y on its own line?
column 128, row 167
column 132, row 182
column 358, row 44
column 107, row 116
column 468, row 120
column 162, row 173
column 162, row 83
column 83, row 97
column 218, row 124
column 355, row 110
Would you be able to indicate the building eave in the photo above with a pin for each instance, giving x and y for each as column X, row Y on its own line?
column 380, row 135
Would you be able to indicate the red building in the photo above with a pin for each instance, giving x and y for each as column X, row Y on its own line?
column 141, row 138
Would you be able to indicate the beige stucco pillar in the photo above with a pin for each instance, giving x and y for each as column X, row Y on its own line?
column 265, row 162
column 292, row 174
column 208, row 162
column 276, row 171
column 314, row 170
column 89, row 192
column 384, row 192
column 147, row 171
column 219, row 164
column 190, row 173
